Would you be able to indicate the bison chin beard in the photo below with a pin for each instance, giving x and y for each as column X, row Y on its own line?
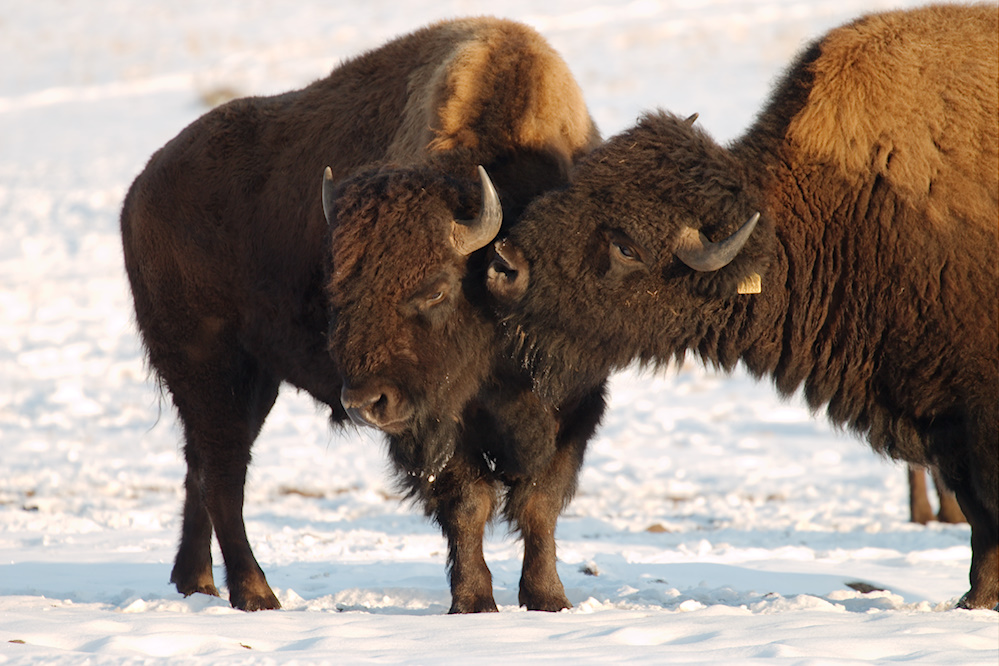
column 423, row 450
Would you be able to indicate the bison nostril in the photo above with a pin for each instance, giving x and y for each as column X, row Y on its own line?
column 380, row 406
column 507, row 275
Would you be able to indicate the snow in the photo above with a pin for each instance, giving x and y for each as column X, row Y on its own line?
column 713, row 523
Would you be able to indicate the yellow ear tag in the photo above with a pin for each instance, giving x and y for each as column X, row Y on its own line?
column 751, row 285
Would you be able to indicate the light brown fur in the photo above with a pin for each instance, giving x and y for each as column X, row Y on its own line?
column 453, row 92
column 905, row 93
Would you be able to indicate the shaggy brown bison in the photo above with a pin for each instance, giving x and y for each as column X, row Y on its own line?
column 240, row 284
column 871, row 179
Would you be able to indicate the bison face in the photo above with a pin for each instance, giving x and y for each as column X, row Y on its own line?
column 408, row 329
column 617, row 268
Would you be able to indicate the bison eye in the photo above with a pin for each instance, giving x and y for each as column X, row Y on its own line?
column 625, row 250
column 427, row 300
column 434, row 299
column 626, row 256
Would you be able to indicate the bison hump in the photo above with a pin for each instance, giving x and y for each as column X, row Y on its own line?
column 909, row 96
column 452, row 101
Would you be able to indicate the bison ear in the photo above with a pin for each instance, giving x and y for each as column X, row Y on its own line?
column 699, row 253
column 467, row 236
column 328, row 195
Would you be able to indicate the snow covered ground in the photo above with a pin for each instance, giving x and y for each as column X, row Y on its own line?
column 714, row 522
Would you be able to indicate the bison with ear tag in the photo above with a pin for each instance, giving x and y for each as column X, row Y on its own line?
column 847, row 249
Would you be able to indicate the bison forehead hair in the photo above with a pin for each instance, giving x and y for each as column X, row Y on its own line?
column 391, row 232
column 677, row 176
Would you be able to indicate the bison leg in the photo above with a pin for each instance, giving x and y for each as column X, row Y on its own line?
column 920, row 510
column 222, row 407
column 984, row 573
column 972, row 472
column 535, row 505
column 950, row 510
column 248, row 588
column 192, row 570
column 464, row 501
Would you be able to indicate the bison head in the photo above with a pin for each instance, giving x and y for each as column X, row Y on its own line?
column 407, row 328
column 619, row 266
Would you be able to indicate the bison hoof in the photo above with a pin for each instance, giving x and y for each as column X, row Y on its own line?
column 255, row 603
column 550, row 598
column 260, row 604
column 483, row 605
column 262, row 600
column 547, row 605
column 188, row 590
column 971, row 601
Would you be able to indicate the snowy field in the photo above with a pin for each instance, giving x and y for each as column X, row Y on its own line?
column 713, row 523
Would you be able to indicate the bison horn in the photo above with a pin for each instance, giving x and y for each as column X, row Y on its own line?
column 467, row 236
column 699, row 253
column 328, row 195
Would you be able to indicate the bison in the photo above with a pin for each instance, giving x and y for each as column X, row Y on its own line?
column 248, row 270
column 846, row 244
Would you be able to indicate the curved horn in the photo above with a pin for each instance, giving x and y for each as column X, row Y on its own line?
column 467, row 236
column 328, row 195
column 699, row 253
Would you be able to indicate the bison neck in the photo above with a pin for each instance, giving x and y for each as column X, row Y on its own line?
column 815, row 326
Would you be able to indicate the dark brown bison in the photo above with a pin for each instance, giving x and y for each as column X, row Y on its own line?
column 240, row 285
column 871, row 179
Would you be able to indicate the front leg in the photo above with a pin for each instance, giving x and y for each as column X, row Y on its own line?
column 950, row 510
column 462, row 500
column 534, row 505
column 920, row 510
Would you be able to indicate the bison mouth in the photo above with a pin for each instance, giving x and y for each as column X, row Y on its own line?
column 361, row 417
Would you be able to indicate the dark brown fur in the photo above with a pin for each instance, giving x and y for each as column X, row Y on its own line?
column 875, row 169
column 234, row 277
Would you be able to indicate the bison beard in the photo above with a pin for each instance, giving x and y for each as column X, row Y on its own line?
column 425, row 450
column 378, row 311
column 869, row 281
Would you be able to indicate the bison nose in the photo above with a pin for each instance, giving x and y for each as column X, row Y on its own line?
column 507, row 276
column 376, row 404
